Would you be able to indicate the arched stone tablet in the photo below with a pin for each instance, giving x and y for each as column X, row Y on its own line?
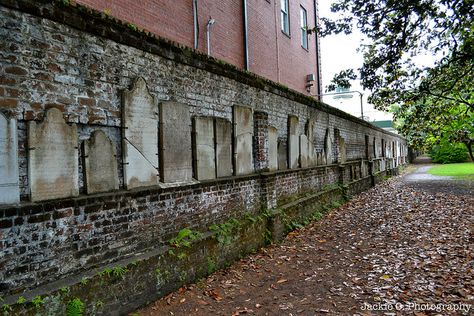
column 9, row 188
column 140, row 136
column 52, row 158
column 100, row 164
column 243, row 140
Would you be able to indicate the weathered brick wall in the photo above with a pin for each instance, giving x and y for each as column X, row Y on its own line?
column 51, row 58
column 272, row 54
column 41, row 242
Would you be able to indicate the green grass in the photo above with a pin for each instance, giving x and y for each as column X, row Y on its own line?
column 459, row 170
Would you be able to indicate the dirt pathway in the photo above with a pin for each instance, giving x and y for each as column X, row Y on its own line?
column 405, row 247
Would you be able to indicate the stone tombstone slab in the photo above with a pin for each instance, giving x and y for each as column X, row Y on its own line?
column 9, row 186
column 364, row 169
column 272, row 148
column 53, row 158
column 328, row 147
column 223, row 138
column 282, row 155
column 309, row 131
column 100, row 164
column 204, row 154
column 175, row 142
column 304, row 156
column 140, row 136
column 342, row 150
column 243, row 136
column 293, row 142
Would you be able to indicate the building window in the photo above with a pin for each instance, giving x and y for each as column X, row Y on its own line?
column 285, row 17
column 304, row 27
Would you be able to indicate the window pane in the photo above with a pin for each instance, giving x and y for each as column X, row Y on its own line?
column 285, row 22
column 303, row 26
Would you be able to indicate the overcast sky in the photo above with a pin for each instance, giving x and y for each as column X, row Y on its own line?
column 339, row 52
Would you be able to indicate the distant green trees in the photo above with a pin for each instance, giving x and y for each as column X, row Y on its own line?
column 433, row 102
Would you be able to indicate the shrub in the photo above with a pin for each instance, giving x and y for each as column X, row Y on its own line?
column 449, row 153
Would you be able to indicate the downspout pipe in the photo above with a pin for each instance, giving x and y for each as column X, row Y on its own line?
column 318, row 58
column 210, row 23
column 246, row 35
column 196, row 25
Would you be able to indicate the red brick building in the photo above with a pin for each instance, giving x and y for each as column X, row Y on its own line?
column 266, row 37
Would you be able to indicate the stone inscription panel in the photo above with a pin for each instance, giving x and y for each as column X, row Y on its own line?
column 272, row 148
column 100, row 164
column 140, row 136
column 9, row 187
column 293, row 142
column 203, row 148
column 53, row 158
column 282, row 155
column 304, row 159
column 243, row 136
column 312, row 157
column 342, row 150
column 175, row 142
column 327, row 147
column 223, row 137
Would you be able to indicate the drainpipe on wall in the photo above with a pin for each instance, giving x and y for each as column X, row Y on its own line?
column 196, row 23
column 208, row 34
column 276, row 41
column 318, row 57
column 246, row 38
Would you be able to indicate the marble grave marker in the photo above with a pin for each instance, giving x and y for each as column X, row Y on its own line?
column 53, row 158
column 9, row 186
column 140, row 136
column 100, row 164
column 175, row 143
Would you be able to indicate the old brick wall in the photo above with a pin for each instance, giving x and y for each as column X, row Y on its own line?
column 174, row 20
column 50, row 58
column 272, row 54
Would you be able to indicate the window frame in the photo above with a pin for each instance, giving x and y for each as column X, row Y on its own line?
column 285, row 16
column 304, row 28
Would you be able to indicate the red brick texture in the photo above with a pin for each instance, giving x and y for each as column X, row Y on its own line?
column 272, row 54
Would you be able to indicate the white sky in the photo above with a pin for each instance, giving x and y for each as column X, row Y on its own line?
column 339, row 52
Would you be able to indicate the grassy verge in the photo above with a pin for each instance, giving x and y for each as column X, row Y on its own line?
column 458, row 170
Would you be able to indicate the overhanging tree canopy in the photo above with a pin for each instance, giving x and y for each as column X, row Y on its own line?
column 402, row 30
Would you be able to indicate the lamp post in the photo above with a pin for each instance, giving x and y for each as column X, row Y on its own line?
column 347, row 92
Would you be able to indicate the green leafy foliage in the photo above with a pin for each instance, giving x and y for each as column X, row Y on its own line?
column 398, row 33
column 119, row 272
column 37, row 301
column 6, row 309
column 75, row 307
column 211, row 265
column 449, row 153
column 342, row 80
column 225, row 232
column 430, row 123
column 184, row 238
